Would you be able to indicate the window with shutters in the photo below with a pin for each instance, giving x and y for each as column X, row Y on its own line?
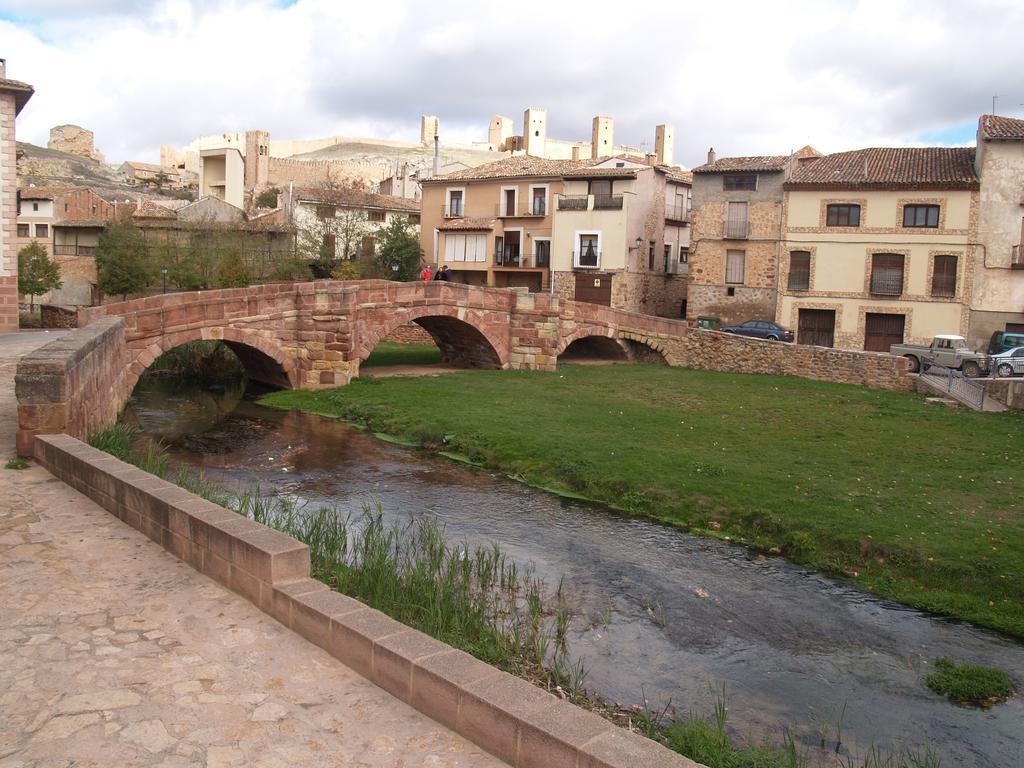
column 736, row 223
column 799, row 271
column 887, row 274
column 377, row 216
column 735, row 266
column 944, row 276
column 326, row 211
column 23, row 230
column 465, row 248
column 42, row 230
column 746, row 181
column 842, row 215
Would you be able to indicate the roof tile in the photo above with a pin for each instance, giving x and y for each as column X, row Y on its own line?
column 998, row 127
column 754, row 163
column 890, row 168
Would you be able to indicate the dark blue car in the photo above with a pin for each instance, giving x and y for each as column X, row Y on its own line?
column 760, row 329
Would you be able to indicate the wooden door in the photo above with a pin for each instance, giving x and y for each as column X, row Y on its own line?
column 595, row 289
column 816, row 327
column 881, row 331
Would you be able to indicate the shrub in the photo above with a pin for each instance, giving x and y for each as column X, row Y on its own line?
column 969, row 683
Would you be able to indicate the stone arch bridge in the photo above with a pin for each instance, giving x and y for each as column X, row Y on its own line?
column 312, row 335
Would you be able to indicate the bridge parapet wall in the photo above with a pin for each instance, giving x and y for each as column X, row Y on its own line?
column 75, row 385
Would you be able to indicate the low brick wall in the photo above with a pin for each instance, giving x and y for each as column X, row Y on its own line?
column 505, row 715
column 410, row 333
column 75, row 384
column 715, row 351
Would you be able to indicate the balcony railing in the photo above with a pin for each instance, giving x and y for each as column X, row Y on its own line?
column 74, row 250
column 452, row 211
column 607, row 202
column 1017, row 257
column 539, row 207
column 886, row 285
column 509, row 259
column 737, row 230
column 587, row 259
column 573, row 202
column 677, row 212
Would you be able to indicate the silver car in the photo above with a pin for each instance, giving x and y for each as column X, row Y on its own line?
column 1008, row 363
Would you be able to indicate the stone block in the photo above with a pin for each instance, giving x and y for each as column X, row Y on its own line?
column 312, row 612
column 222, row 535
column 490, row 711
column 616, row 748
column 437, row 683
column 280, row 606
column 551, row 736
column 354, row 633
column 394, row 657
column 271, row 556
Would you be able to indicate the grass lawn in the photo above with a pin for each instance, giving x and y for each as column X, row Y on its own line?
column 390, row 353
column 917, row 502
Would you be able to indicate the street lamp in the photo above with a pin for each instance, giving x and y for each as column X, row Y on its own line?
column 394, row 266
column 639, row 243
column 163, row 271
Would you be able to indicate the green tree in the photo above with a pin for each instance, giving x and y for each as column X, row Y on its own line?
column 37, row 272
column 232, row 271
column 122, row 265
column 267, row 198
column 398, row 254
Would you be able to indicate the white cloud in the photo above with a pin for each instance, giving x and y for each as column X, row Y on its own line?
column 746, row 77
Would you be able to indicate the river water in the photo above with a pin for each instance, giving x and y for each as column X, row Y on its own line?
column 664, row 615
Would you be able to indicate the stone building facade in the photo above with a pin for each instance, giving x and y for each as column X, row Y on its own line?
column 13, row 97
column 736, row 233
column 75, row 140
column 998, row 300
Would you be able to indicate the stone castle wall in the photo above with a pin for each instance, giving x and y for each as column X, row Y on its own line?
column 284, row 170
column 75, row 140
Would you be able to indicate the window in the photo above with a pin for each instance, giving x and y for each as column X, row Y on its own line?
column 944, row 276
column 543, row 252
column 746, row 181
column 887, row 274
column 668, row 256
column 920, row 215
column 414, row 218
column 65, row 207
column 735, row 266
column 455, row 202
column 842, row 215
column 367, row 247
column 539, row 205
column 650, row 256
column 465, row 248
column 42, row 230
column 684, row 254
column 326, row 211
column 799, row 270
column 589, row 254
column 23, row 230
column 35, row 206
column 375, row 216
column 510, row 202
column 736, row 226
column 330, row 245
column 601, row 188
column 94, row 210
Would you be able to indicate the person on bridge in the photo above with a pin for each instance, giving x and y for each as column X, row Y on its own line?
column 443, row 274
column 425, row 274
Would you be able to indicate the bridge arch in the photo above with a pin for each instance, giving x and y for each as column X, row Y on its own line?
column 462, row 336
column 263, row 359
column 635, row 347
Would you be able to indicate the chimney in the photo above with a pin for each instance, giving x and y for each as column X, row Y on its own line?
column 3, row 69
column 437, row 155
column 711, row 156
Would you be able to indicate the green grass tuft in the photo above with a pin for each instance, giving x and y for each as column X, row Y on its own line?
column 969, row 683
column 17, row 463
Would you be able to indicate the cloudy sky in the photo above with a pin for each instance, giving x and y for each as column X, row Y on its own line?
column 744, row 77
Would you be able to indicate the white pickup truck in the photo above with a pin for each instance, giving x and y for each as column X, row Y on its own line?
column 947, row 350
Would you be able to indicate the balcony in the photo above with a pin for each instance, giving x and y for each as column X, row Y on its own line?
column 573, row 202
column 538, row 208
column 677, row 212
column 510, row 259
column 74, row 250
column 1017, row 257
column 737, row 230
column 607, row 202
column 886, row 285
column 589, row 259
column 452, row 211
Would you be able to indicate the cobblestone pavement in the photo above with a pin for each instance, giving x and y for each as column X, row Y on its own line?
column 114, row 653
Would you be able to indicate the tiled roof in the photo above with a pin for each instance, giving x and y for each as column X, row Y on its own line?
column 765, row 163
column 150, row 210
column 520, row 166
column 890, row 168
column 149, row 167
column 593, row 173
column 355, row 198
column 684, row 177
column 37, row 193
column 997, row 127
column 455, row 225
column 22, row 91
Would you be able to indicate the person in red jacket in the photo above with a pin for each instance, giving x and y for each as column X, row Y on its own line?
column 425, row 274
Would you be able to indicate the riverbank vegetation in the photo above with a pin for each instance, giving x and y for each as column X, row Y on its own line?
column 206, row 363
column 970, row 684
column 479, row 600
column 916, row 502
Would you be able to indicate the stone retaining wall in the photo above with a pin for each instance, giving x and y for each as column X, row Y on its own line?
column 55, row 316
column 409, row 334
column 76, row 384
column 505, row 715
